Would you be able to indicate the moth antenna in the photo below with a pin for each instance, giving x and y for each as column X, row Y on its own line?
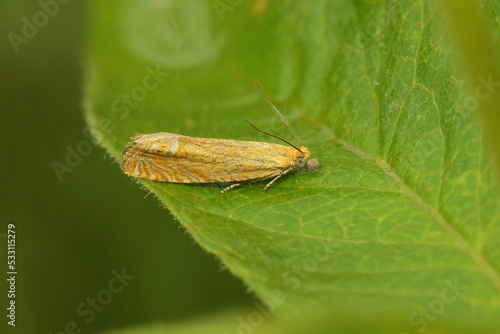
column 295, row 147
column 282, row 117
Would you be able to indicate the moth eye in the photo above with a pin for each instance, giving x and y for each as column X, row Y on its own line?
column 300, row 162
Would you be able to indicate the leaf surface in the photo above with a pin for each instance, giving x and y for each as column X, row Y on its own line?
column 404, row 213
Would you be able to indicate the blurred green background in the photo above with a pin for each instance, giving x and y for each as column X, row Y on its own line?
column 72, row 234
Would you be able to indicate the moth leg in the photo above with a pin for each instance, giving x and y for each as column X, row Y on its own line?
column 230, row 187
column 277, row 177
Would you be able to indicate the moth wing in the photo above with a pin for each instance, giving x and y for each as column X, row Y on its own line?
column 181, row 159
column 152, row 157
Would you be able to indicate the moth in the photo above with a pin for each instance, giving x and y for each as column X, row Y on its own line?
column 170, row 157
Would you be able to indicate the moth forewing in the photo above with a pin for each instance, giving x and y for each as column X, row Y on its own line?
column 181, row 159
column 176, row 158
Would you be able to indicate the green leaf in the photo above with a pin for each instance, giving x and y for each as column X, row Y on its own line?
column 403, row 217
column 242, row 320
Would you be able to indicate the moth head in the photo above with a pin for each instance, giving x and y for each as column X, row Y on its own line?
column 311, row 165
